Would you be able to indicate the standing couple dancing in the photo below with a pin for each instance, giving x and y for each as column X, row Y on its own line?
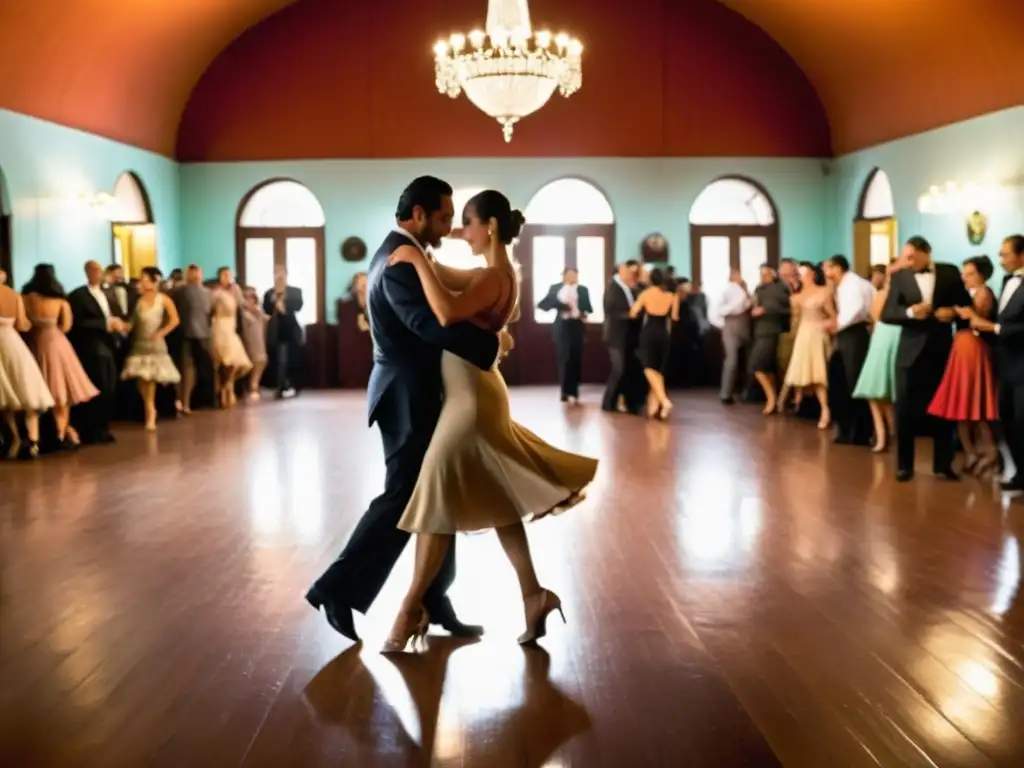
column 455, row 459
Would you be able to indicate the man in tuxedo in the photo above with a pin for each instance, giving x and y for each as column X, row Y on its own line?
column 404, row 398
column 854, row 296
column 621, row 336
column 571, row 302
column 94, row 336
column 923, row 301
column 126, row 295
column 1009, row 330
column 284, row 333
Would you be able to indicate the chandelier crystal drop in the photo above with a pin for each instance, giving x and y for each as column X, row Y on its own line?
column 509, row 71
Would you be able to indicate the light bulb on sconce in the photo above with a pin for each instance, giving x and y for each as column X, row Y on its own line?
column 952, row 198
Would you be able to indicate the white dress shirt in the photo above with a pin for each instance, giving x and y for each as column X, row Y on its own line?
column 569, row 295
column 926, row 285
column 101, row 299
column 625, row 289
column 734, row 301
column 854, row 296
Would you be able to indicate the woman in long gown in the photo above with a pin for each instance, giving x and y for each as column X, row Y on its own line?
column 807, row 371
column 230, row 360
column 254, row 336
column 50, row 314
column 877, row 380
column 22, row 386
column 482, row 470
column 968, row 393
column 148, row 361
column 660, row 308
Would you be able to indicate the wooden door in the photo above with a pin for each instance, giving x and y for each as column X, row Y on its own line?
column 6, row 254
column 544, row 252
column 874, row 242
column 300, row 249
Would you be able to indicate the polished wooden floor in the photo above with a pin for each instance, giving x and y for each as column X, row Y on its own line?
column 740, row 592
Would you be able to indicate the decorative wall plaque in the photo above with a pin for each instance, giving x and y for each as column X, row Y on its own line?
column 654, row 249
column 353, row 249
column 977, row 228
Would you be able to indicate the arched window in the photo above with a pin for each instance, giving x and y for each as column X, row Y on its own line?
column 454, row 251
column 281, row 224
column 875, row 235
column 569, row 224
column 132, row 230
column 6, row 254
column 733, row 225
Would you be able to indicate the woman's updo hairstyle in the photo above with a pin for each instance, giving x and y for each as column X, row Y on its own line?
column 984, row 266
column 491, row 204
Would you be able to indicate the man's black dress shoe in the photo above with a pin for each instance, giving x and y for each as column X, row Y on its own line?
column 904, row 475
column 338, row 616
column 947, row 474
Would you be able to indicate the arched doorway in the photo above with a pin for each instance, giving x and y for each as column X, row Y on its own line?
column 875, row 230
column 733, row 225
column 133, row 232
column 6, row 243
column 569, row 223
column 281, row 223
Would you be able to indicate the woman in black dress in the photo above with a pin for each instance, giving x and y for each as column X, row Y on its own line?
column 660, row 308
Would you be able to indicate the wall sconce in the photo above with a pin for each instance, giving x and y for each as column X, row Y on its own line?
column 953, row 198
column 102, row 203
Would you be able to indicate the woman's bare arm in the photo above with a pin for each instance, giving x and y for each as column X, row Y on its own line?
column 64, row 317
column 638, row 306
column 21, row 321
column 172, row 316
column 480, row 293
column 675, row 308
column 451, row 278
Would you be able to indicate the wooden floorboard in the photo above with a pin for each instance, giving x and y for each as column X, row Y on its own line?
column 740, row 592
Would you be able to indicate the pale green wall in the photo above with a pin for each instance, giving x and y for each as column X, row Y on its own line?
column 46, row 167
column 359, row 199
column 983, row 150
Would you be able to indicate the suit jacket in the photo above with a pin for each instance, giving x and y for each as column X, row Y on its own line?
column 619, row 329
column 405, row 389
column 924, row 340
column 89, row 325
column 774, row 298
column 551, row 303
column 131, row 298
column 1010, row 340
column 283, row 327
column 193, row 304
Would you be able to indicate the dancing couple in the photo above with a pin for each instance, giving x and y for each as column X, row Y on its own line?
column 455, row 459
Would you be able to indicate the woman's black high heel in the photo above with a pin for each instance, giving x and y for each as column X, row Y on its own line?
column 537, row 619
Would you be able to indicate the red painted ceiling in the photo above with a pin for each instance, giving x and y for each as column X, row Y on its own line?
column 321, row 79
column 882, row 68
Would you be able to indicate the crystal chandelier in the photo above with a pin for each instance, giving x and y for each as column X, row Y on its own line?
column 510, row 71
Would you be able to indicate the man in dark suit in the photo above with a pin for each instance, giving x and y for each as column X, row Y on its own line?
column 571, row 302
column 284, row 333
column 404, row 398
column 94, row 336
column 922, row 300
column 621, row 336
column 1009, row 330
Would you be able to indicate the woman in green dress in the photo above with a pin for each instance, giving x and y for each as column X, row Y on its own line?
column 877, row 380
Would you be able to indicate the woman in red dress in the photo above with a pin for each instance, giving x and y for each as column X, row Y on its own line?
column 967, row 394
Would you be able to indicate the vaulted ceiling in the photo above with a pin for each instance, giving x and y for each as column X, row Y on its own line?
column 882, row 68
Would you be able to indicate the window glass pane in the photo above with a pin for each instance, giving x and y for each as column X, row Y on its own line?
column 753, row 253
column 878, row 200
column 259, row 264
column 714, row 270
column 282, row 204
column 569, row 201
column 591, row 264
column 300, row 256
column 732, row 201
column 456, row 253
column 881, row 249
column 548, row 265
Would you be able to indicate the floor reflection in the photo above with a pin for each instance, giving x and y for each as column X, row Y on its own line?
column 407, row 706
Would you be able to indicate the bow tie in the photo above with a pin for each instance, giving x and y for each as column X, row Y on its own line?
column 924, row 271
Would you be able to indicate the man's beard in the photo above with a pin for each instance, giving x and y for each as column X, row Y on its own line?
column 427, row 238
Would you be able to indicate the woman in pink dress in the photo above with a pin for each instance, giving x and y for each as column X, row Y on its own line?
column 50, row 314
